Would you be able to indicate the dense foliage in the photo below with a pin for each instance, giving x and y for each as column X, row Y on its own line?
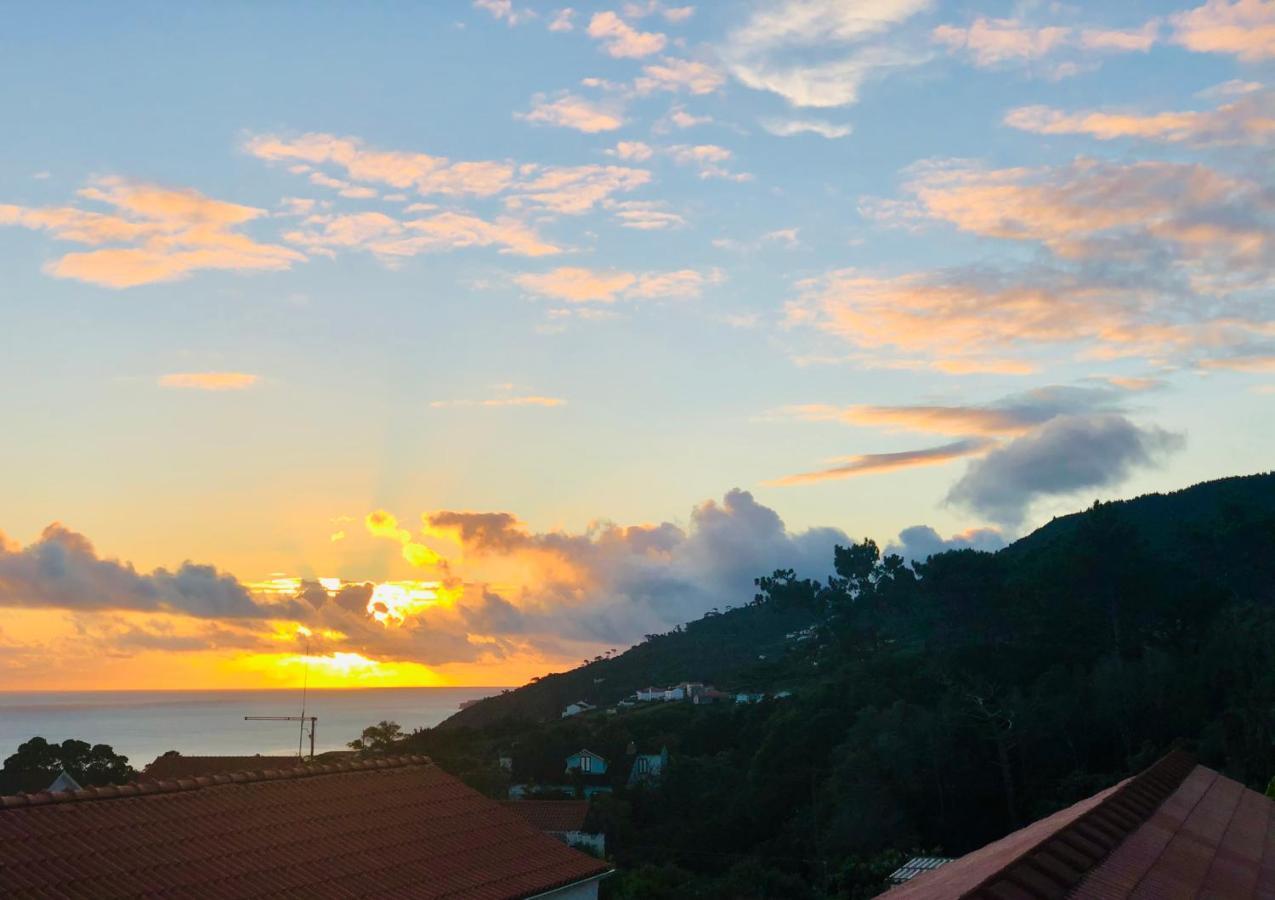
column 37, row 763
column 935, row 706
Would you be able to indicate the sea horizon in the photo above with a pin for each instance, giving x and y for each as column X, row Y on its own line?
column 144, row 723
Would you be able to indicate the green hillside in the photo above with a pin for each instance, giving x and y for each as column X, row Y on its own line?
column 726, row 649
column 935, row 708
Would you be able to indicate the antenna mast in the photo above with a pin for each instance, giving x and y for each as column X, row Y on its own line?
column 313, row 720
column 305, row 684
column 303, row 718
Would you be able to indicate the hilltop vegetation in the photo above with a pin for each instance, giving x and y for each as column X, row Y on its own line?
column 937, row 706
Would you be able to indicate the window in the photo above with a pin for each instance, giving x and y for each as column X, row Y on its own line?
column 586, row 764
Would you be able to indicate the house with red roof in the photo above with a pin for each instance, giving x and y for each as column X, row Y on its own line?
column 390, row 827
column 1176, row 831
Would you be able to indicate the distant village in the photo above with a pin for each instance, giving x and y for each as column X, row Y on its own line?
column 688, row 691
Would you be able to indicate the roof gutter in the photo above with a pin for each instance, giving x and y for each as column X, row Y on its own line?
column 563, row 887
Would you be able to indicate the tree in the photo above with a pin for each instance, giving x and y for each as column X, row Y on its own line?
column 381, row 736
column 38, row 762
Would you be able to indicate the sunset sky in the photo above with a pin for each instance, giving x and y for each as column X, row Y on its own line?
column 462, row 341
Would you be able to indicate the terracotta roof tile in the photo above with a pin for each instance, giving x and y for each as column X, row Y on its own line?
column 551, row 815
column 171, row 766
column 388, row 828
column 1177, row 830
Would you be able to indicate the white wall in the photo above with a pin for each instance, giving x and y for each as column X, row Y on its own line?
column 586, row 891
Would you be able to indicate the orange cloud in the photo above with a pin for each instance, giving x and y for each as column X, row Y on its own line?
column 579, row 285
column 173, row 232
column 1253, row 363
column 645, row 215
column 1243, row 28
column 677, row 75
column 873, row 463
column 631, row 151
column 427, row 174
column 993, row 41
column 1138, row 40
column 568, row 190
column 208, row 381
column 708, row 158
column 572, row 111
column 1251, row 119
column 1210, row 224
column 391, row 238
column 950, row 420
column 572, row 190
column 621, row 39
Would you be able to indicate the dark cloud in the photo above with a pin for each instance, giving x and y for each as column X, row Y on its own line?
column 493, row 614
column 62, row 570
column 482, row 531
column 313, row 593
column 353, row 597
column 1065, row 455
column 920, row 542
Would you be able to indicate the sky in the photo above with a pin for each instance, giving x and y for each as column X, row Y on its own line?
column 455, row 343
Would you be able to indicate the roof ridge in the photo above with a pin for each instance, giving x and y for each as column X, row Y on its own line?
column 1062, row 858
column 177, row 785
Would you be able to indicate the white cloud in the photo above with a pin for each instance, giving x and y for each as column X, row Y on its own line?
column 819, row 52
column 790, row 127
column 562, row 20
column 504, row 10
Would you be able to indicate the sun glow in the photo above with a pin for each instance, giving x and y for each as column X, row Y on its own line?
column 393, row 602
column 336, row 670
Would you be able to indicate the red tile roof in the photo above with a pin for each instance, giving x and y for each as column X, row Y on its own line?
column 396, row 827
column 551, row 815
column 1177, row 830
column 170, row 766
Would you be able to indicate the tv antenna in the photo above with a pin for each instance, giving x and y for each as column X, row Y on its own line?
column 303, row 718
column 313, row 720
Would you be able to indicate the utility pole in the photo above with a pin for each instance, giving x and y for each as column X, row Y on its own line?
column 313, row 720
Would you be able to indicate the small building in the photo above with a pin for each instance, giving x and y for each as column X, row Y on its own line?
column 749, row 698
column 709, row 695
column 505, row 761
column 565, row 820
column 648, row 767
column 393, row 826
column 649, row 694
column 574, row 709
column 1175, row 830
column 586, row 762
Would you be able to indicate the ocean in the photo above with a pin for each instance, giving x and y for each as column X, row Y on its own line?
column 143, row 724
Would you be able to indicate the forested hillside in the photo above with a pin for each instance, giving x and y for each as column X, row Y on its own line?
column 937, row 707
